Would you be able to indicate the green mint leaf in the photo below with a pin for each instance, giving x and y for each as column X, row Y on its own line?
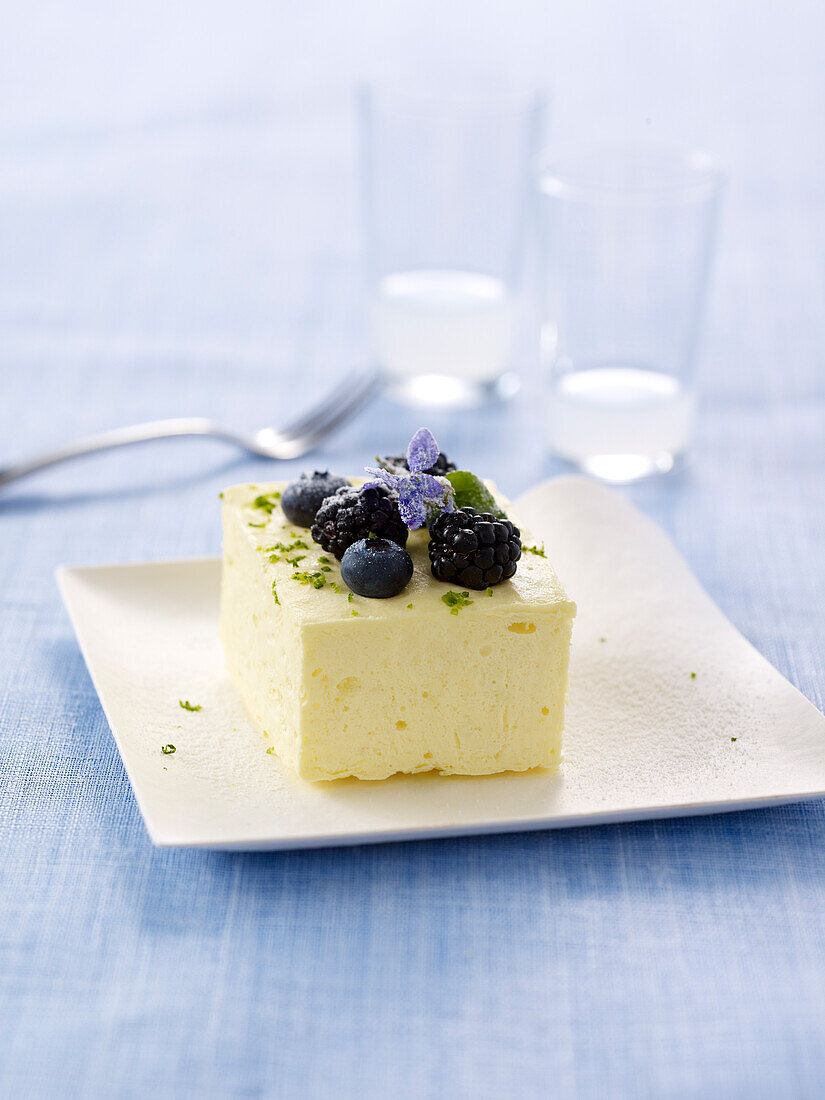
column 471, row 492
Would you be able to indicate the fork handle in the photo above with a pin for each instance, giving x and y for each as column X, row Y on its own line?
column 118, row 437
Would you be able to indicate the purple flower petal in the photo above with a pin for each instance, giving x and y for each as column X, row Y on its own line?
column 431, row 487
column 411, row 504
column 422, row 451
column 381, row 477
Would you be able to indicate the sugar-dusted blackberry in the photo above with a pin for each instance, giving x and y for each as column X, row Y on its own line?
column 301, row 499
column 473, row 549
column 439, row 468
column 352, row 514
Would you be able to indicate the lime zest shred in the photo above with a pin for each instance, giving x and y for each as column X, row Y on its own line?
column 313, row 579
column 278, row 551
column 267, row 502
column 456, row 601
column 285, row 547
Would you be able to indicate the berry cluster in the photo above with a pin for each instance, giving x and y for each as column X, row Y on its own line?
column 367, row 528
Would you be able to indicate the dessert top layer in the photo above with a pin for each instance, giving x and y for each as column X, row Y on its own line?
column 307, row 582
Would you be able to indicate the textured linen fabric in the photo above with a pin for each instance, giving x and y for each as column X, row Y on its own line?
column 176, row 237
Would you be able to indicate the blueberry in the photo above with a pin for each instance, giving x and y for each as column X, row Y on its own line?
column 376, row 568
column 302, row 498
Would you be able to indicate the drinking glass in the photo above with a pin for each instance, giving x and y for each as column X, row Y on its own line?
column 448, row 190
column 628, row 238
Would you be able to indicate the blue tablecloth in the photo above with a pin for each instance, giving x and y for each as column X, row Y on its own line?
column 176, row 237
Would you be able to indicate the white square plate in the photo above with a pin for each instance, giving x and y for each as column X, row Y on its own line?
column 645, row 736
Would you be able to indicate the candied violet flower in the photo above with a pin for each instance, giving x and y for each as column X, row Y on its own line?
column 421, row 497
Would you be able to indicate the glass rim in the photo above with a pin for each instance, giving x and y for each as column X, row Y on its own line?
column 561, row 177
column 414, row 99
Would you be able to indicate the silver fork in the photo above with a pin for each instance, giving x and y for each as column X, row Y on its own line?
column 292, row 441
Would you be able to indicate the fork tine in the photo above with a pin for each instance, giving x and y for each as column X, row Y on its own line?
column 345, row 402
column 357, row 398
column 333, row 400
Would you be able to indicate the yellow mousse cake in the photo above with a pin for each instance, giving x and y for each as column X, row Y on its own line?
column 437, row 677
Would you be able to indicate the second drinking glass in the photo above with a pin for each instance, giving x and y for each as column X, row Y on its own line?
column 629, row 237
column 447, row 199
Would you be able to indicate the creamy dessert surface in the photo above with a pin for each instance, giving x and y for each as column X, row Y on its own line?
column 535, row 582
column 342, row 685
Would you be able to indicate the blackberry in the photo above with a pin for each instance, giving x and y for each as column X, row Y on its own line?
column 302, row 498
column 439, row 468
column 473, row 549
column 352, row 514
